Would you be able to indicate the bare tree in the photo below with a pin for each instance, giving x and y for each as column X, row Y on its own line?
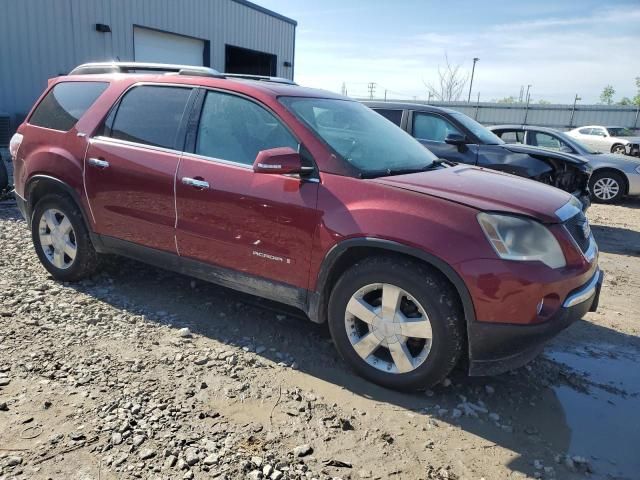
column 451, row 82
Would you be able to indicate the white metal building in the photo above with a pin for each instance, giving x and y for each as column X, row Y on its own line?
column 40, row 39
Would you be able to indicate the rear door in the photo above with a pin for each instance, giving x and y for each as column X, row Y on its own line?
column 231, row 217
column 431, row 129
column 131, row 165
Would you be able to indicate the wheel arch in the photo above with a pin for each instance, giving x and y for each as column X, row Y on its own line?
column 348, row 252
column 625, row 180
column 40, row 185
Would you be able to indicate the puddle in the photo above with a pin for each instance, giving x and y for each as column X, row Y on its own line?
column 604, row 425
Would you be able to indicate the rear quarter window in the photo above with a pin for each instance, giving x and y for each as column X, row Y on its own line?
column 65, row 103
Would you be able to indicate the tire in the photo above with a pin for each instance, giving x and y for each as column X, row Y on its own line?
column 607, row 186
column 56, row 209
column 618, row 148
column 430, row 294
column 4, row 175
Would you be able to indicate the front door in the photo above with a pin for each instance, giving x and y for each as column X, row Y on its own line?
column 231, row 217
column 130, row 167
column 431, row 129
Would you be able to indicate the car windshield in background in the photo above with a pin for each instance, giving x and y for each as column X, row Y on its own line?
column 486, row 136
column 619, row 132
column 368, row 141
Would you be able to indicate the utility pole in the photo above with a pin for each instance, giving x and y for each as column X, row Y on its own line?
column 527, row 95
column 521, row 93
column 573, row 110
column 473, row 70
column 344, row 89
column 385, row 94
column 477, row 107
column 429, row 99
column 526, row 111
column 372, row 89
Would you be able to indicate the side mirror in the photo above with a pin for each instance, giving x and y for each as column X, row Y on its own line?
column 282, row 160
column 456, row 139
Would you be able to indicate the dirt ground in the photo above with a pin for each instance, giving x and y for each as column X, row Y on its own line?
column 101, row 381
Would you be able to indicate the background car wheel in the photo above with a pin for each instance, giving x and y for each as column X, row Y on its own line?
column 61, row 239
column 396, row 323
column 618, row 148
column 607, row 187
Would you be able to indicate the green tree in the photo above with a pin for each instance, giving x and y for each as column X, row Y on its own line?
column 625, row 101
column 511, row 99
column 542, row 101
column 607, row 95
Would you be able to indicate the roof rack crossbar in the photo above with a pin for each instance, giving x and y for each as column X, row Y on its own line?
column 134, row 67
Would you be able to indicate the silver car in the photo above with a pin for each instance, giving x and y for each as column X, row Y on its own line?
column 614, row 176
column 608, row 139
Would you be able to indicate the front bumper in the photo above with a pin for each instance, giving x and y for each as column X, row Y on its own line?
column 22, row 205
column 632, row 149
column 633, row 180
column 496, row 348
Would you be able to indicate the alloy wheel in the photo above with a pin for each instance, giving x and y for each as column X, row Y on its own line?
column 57, row 238
column 388, row 328
column 619, row 149
column 606, row 188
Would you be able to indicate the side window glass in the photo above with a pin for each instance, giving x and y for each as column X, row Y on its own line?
column 235, row 129
column 432, row 127
column 512, row 136
column 546, row 141
column 394, row 116
column 65, row 103
column 151, row 115
column 585, row 131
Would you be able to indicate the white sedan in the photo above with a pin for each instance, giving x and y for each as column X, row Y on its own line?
column 608, row 139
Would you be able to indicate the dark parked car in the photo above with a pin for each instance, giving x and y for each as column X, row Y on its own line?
column 456, row 137
column 253, row 185
column 4, row 176
column 613, row 177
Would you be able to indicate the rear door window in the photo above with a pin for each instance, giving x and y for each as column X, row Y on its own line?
column 65, row 103
column 150, row 115
column 394, row 116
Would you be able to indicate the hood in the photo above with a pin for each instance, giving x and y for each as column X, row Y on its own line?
column 536, row 151
column 486, row 190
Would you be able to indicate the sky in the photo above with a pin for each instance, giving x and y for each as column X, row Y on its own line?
column 559, row 47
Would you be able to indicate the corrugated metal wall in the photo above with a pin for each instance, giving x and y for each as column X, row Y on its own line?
column 40, row 39
column 556, row 116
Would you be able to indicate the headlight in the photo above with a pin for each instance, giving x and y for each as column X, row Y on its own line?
column 517, row 238
column 638, row 169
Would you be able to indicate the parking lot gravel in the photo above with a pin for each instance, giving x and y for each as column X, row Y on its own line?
column 142, row 373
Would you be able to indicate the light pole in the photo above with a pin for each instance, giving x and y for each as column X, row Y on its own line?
column 473, row 69
column 573, row 110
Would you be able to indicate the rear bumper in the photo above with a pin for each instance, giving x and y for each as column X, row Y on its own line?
column 497, row 348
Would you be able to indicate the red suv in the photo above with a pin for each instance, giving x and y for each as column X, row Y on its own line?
column 310, row 199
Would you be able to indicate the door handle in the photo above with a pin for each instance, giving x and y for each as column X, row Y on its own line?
column 194, row 182
column 97, row 162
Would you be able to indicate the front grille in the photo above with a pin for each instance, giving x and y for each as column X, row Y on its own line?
column 578, row 227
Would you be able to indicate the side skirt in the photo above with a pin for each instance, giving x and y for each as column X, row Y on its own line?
column 243, row 282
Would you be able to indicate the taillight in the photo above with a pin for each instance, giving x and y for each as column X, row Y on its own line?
column 14, row 145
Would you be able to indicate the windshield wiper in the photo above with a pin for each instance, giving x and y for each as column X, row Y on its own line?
column 406, row 171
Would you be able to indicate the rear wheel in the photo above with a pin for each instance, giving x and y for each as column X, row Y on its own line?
column 607, row 186
column 618, row 148
column 61, row 239
column 396, row 323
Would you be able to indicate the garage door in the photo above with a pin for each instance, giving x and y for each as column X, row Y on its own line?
column 162, row 47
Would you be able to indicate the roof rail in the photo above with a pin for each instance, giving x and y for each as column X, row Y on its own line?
column 262, row 78
column 136, row 67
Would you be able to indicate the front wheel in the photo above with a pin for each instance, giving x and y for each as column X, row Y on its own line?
column 607, row 187
column 619, row 149
column 396, row 323
column 61, row 239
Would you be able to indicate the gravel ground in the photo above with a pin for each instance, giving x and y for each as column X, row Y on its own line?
column 141, row 373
